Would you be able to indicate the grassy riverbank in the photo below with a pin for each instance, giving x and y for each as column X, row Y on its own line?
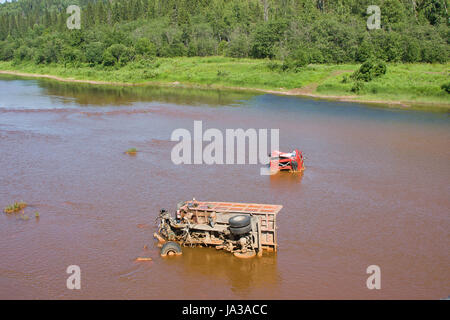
column 404, row 85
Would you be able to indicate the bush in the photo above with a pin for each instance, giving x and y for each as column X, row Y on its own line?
column 434, row 52
column 393, row 12
column 145, row 63
column 94, row 52
column 118, row 53
column 274, row 66
column 365, row 51
column 393, row 47
column 145, row 47
column 315, row 56
column 127, row 56
column 265, row 36
column 23, row 53
column 357, row 87
column 369, row 70
column 412, row 51
column 205, row 47
column 446, row 87
column 296, row 60
column 108, row 58
column 238, row 46
column 222, row 74
column 345, row 79
column 117, row 50
column 176, row 49
column 38, row 56
column 7, row 51
column 222, row 48
column 71, row 55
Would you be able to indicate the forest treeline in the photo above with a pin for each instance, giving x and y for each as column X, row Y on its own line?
column 115, row 32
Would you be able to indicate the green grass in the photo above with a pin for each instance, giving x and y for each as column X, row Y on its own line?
column 408, row 83
column 402, row 82
column 217, row 71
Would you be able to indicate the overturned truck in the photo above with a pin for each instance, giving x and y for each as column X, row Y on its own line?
column 244, row 229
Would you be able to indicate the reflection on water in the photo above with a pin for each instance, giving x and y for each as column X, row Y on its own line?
column 102, row 95
column 241, row 274
column 285, row 180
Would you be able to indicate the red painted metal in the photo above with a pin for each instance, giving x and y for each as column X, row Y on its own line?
column 281, row 161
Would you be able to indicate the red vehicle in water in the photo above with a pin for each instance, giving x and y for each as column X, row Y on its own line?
column 281, row 161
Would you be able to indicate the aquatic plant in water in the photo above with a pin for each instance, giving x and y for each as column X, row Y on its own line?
column 16, row 207
column 131, row 151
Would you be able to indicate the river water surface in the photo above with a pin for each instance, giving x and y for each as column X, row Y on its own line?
column 375, row 192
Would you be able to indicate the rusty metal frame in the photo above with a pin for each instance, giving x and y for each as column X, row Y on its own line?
column 266, row 212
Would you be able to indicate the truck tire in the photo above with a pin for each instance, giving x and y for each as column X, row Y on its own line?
column 239, row 221
column 241, row 230
column 170, row 248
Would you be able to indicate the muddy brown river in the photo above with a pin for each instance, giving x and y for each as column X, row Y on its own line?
column 375, row 192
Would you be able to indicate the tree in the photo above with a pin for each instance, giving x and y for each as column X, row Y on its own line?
column 71, row 55
column 434, row 11
column 38, row 56
column 446, row 87
column 117, row 50
column 145, row 47
column 266, row 35
column 238, row 45
column 22, row 53
column 392, row 12
column 365, row 50
column 393, row 47
column 94, row 52
column 108, row 59
column 7, row 50
column 412, row 50
column 328, row 31
column 433, row 52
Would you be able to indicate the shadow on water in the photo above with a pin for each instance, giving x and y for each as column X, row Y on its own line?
column 242, row 274
column 102, row 95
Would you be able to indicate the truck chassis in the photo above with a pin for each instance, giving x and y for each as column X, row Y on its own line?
column 244, row 229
